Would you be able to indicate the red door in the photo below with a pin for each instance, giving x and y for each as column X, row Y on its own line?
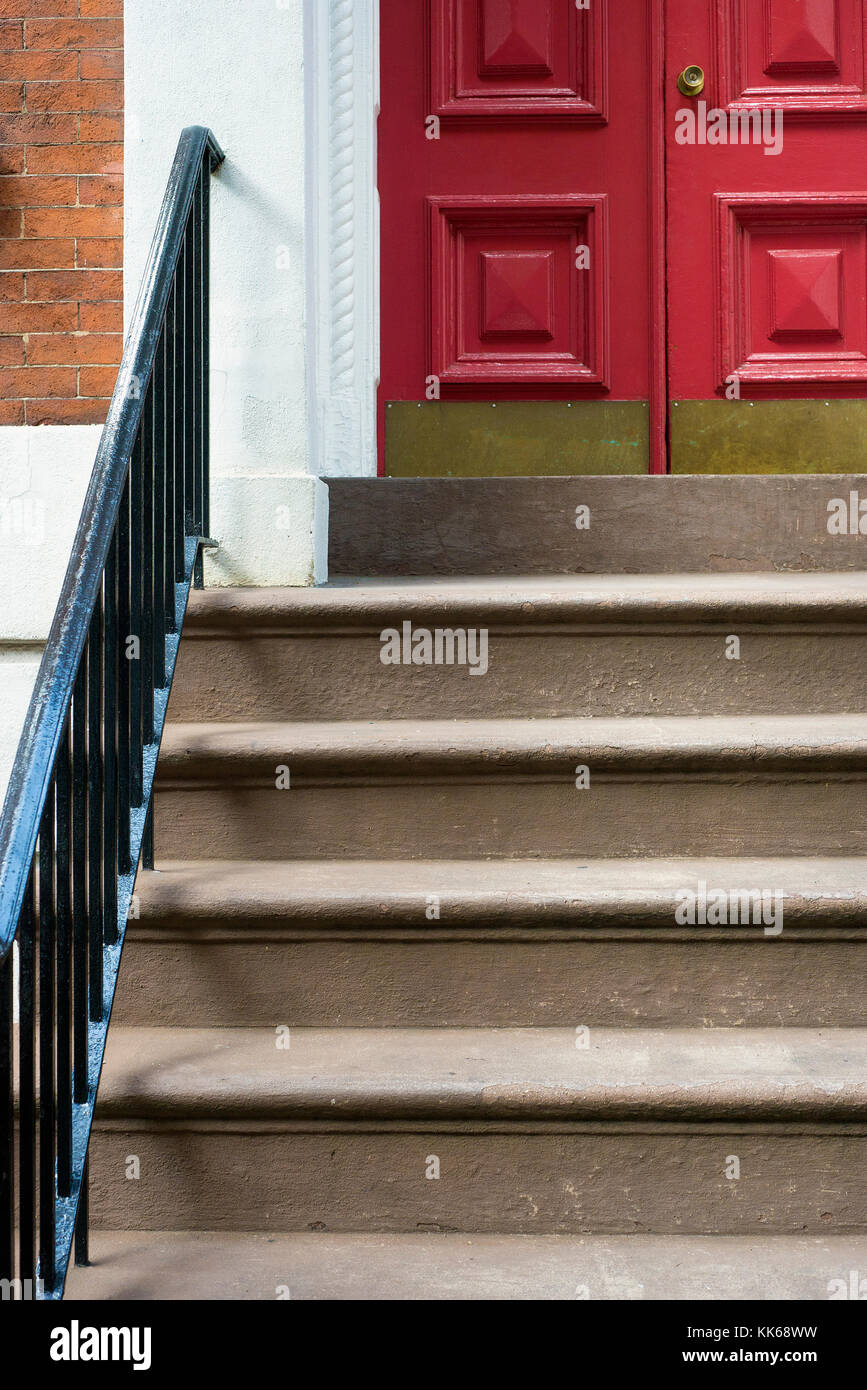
column 516, row 151
column 767, row 235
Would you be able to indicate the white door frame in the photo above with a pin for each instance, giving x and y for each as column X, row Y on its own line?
column 341, row 40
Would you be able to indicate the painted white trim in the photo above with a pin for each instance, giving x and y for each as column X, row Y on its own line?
column 342, row 97
column 272, row 531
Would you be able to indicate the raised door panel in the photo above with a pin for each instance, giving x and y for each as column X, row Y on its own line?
column 518, row 290
column 793, row 289
column 501, row 59
column 805, row 56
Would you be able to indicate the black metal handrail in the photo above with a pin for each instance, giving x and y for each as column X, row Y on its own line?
column 76, row 818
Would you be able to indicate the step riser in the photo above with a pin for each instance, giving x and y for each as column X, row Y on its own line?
column 375, row 983
column 638, row 525
column 553, row 674
column 507, row 1182
column 619, row 818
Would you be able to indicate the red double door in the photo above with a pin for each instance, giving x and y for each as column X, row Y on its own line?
column 588, row 268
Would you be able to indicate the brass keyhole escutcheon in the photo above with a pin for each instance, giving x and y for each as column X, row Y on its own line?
column 691, row 81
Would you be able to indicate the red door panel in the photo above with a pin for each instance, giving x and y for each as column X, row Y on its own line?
column 516, row 245
column 517, row 57
column 510, row 305
column 767, row 250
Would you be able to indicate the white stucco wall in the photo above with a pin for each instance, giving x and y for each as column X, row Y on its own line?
column 238, row 68
column 44, row 472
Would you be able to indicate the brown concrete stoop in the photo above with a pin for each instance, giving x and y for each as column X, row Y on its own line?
column 537, row 982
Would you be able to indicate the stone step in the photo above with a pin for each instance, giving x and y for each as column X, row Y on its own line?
column 558, row 645
column 516, row 1131
column 139, row 1266
column 638, row 525
column 659, row 786
column 413, row 943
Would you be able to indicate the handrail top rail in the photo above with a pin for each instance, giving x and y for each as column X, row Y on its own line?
column 53, row 688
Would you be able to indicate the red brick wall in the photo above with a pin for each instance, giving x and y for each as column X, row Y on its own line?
column 61, row 209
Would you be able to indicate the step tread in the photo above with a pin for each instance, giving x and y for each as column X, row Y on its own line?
column 159, row 1265
column 533, row 600
column 384, row 893
column 673, row 742
column 481, row 1074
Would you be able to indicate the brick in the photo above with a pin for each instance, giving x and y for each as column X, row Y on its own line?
column 99, row 318
column 96, row 381
column 11, row 288
column 38, row 128
column 40, row 318
column 71, row 96
column 16, row 383
column 73, row 33
column 75, row 159
column 56, row 254
column 33, row 9
column 11, row 349
column 57, row 285
column 12, row 413
column 60, row 412
column 11, row 159
column 100, row 128
column 11, row 33
column 99, row 64
column 100, row 192
column 30, row 67
column 72, row 221
column 27, row 192
column 100, row 252
column 87, row 349
column 10, row 222
column 101, row 7
column 11, row 96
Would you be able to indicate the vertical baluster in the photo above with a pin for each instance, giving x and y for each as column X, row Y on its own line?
column 191, row 514
column 205, row 348
column 137, row 606
column 147, row 847
column 27, row 1087
column 79, row 884
column 82, row 1221
column 110, row 722
column 7, row 1123
column 178, row 417
column 64, row 965
column 159, row 551
column 147, row 568
column 196, row 218
column 123, row 684
column 47, row 1004
column 171, row 501
column 95, row 811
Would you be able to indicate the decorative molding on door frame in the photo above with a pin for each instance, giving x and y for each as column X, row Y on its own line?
column 341, row 59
